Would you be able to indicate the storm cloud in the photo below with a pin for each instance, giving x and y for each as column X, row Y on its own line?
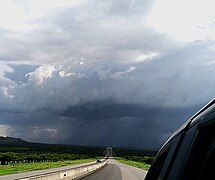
column 95, row 73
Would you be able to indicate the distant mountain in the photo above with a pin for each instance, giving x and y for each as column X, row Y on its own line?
column 11, row 140
column 11, row 144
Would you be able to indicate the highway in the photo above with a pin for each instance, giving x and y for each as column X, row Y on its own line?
column 112, row 171
column 117, row 171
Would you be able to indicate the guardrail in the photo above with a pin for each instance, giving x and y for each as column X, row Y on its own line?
column 72, row 173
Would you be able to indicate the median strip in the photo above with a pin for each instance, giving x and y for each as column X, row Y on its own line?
column 72, row 173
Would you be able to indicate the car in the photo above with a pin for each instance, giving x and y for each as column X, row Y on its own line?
column 98, row 161
column 189, row 154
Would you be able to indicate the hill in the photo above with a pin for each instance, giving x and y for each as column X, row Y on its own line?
column 11, row 141
column 17, row 145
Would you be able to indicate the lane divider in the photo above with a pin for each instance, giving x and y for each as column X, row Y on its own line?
column 73, row 173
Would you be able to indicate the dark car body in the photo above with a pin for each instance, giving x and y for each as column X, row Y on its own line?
column 189, row 154
column 98, row 161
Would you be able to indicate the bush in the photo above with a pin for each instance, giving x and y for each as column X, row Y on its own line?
column 146, row 159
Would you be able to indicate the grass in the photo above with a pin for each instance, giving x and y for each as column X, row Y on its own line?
column 140, row 165
column 18, row 168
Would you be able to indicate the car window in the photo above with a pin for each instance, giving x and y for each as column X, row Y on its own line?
column 155, row 170
column 202, row 154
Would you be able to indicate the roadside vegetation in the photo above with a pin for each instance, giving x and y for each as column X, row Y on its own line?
column 136, row 161
column 25, row 167
column 18, row 156
column 8, row 158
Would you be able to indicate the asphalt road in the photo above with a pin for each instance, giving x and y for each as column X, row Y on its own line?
column 117, row 171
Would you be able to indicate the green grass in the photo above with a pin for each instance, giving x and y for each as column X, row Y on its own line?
column 140, row 165
column 18, row 168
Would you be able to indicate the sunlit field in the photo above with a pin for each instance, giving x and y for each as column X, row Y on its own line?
column 25, row 167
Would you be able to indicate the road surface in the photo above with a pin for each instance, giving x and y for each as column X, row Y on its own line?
column 117, row 171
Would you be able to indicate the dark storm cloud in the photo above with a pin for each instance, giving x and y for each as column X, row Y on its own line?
column 94, row 73
column 100, row 111
column 124, row 125
column 114, row 124
column 113, row 104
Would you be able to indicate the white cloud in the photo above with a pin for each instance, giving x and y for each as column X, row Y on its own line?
column 4, row 130
column 43, row 134
column 108, row 74
column 41, row 74
column 122, row 74
column 143, row 57
column 104, row 74
column 20, row 15
column 4, row 68
column 210, row 63
column 85, row 30
column 64, row 74
column 187, row 20
column 6, row 92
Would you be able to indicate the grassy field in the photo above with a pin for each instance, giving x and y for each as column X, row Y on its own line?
column 140, row 165
column 18, row 168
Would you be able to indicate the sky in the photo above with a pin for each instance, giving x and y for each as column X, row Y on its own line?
column 122, row 73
